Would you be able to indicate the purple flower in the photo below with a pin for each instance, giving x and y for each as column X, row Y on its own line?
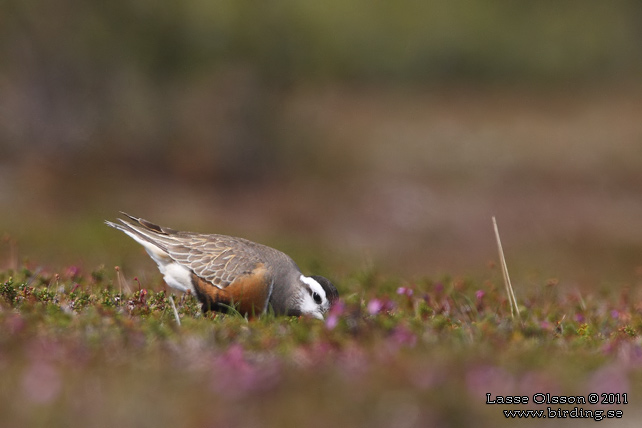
column 405, row 291
column 337, row 309
column 375, row 306
column 332, row 321
column 479, row 294
column 615, row 314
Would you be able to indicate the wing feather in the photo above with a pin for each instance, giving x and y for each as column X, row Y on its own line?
column 217, row 259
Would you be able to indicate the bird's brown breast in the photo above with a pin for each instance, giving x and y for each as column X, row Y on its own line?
column 247, row 293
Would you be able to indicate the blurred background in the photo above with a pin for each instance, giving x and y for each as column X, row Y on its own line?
column 352, row 135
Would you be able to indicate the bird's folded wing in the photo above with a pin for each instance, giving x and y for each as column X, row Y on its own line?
column 217, row 259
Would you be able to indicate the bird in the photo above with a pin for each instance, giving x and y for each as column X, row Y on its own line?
column 226, row 272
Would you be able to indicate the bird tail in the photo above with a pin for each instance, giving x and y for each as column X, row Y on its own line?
column 144, row 232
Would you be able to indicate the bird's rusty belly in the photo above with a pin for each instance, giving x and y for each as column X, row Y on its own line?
column 247, row 293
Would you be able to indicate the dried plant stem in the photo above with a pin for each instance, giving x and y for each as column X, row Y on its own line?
column 122, row 282
column 171, row 301
column 509, row 288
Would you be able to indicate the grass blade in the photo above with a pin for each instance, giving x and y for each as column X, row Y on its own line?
column 509, row 288
column 171, row 301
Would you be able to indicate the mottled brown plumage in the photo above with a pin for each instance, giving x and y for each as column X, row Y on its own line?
column 226, row 271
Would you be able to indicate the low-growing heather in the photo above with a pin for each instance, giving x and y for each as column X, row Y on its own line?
column 96, row 350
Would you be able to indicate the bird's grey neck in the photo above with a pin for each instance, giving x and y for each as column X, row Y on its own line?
column 286, row 294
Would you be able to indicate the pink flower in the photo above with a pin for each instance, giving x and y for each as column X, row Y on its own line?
column 405, row 291
column 332, row 321
column 375, row 306
column 337, row 309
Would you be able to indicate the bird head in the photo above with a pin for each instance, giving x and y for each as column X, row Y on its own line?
column 316, row 296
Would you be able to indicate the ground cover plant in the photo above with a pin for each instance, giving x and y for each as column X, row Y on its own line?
column 94, row 349
column 352, row 132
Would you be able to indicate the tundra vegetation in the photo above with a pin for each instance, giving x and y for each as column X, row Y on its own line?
column 98, row 349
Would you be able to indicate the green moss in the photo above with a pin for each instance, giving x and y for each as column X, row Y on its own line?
column 426, row 349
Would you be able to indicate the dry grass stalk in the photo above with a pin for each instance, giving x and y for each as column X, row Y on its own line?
column 509, row 288
column 171, row 301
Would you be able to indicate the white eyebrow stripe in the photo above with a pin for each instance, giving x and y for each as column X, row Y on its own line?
column 313, row 284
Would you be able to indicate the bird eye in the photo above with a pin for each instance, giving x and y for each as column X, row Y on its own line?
column 316, row 298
